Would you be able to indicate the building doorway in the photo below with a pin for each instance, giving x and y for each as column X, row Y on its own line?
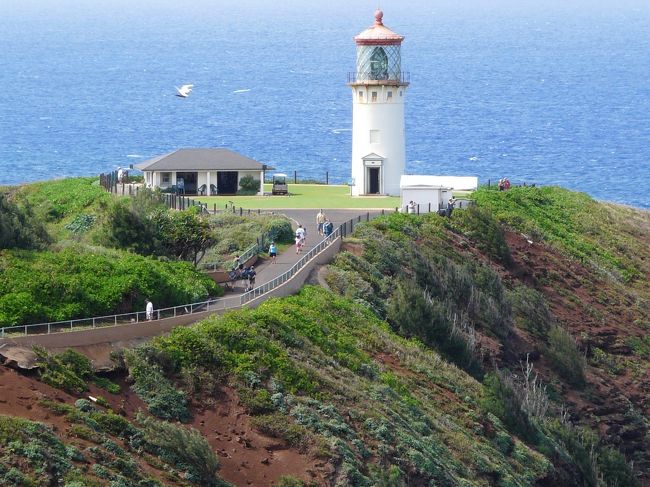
column 373, row 185
column 227, row 182
column 189, row 179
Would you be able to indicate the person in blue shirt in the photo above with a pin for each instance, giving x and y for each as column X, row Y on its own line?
column 273, row 252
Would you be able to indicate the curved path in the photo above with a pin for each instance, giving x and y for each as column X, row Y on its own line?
column 97, row 343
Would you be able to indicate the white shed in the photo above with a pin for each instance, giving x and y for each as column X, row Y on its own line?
column 425, row 191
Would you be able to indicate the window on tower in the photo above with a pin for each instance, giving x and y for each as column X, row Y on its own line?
column 360, row 95
column 374, row 96
column 389, row 96
column 379, row 64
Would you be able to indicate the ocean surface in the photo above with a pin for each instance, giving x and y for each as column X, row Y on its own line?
column 543, row 92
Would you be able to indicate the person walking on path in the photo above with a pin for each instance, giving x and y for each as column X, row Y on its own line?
column 251, row 279
column 327, row 227
column 298, row 244
column 149, row 310
column 273, row 252
column 320, row 221
column 301, row 233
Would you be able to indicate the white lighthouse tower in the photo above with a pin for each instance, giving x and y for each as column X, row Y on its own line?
column 378, row 93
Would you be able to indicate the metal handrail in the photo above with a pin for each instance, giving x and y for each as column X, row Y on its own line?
column 247, row 254
column 293, row 270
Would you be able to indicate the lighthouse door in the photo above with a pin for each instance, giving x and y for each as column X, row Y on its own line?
column 373, row 180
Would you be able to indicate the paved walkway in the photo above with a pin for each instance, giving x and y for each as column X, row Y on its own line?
column 266, row 271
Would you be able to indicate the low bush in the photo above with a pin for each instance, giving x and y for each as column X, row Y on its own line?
column 19, row 228
column 184, row 447
column 163, row 400
column 501, row 399
column 107, row 384
column 59, row 374
column 530, row 310
column 249, row 183
column 480, row 225
column 565, row 356
column 280, row 426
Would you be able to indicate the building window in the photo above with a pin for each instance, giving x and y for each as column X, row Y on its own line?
column 374, row 136
column 374, row 96
column 360, row 95
column 400, row 92
column 389, row 96
column 166, row 177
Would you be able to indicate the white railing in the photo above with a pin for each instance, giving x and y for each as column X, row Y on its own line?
column 121, row 319
column 282, row 278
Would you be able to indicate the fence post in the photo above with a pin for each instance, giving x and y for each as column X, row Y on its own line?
column 429, row 206
column 93, row 322
column 488, row 183
column 382, row 212
column 368, row 216
column 241, row 211
column 215, row 208
column 396, row 209
column 418, row 208
column 327, row 177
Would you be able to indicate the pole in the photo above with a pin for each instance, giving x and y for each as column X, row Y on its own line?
column 327, row 177
column 295, row 177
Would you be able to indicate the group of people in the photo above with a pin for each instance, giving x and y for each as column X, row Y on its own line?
column 504, row 184
column 246, row 273
column 325, row 226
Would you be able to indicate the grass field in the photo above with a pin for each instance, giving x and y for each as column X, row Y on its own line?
column 305, row 196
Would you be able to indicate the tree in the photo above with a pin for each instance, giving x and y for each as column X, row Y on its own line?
column 184, row 235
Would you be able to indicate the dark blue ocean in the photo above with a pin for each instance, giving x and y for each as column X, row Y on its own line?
column 550, row 92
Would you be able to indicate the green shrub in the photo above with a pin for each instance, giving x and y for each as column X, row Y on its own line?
column 163, row 400
column 76, row 362
column 278, row 425
column 185, row 448
column 107, row 384
column 249, row 183
column 59, row 374
column 413, row 313
column 279, row 230
column 19, row 228
column 501, row 399
column 531, row 311
column 257, row 401
column 481, row 226
column 565, row 356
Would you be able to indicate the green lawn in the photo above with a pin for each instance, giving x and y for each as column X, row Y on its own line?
column 306, row 196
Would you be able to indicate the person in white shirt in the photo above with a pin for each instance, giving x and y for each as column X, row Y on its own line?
column 301, row 233
column 149, row 310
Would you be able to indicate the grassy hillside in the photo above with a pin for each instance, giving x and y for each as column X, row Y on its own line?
column 505, row 346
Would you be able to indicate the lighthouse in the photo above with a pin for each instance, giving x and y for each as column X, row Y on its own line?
column 378, row 93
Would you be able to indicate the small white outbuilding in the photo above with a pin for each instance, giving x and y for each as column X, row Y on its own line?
column 425, row 192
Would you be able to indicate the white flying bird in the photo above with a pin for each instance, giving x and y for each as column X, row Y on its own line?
column 184, row 90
